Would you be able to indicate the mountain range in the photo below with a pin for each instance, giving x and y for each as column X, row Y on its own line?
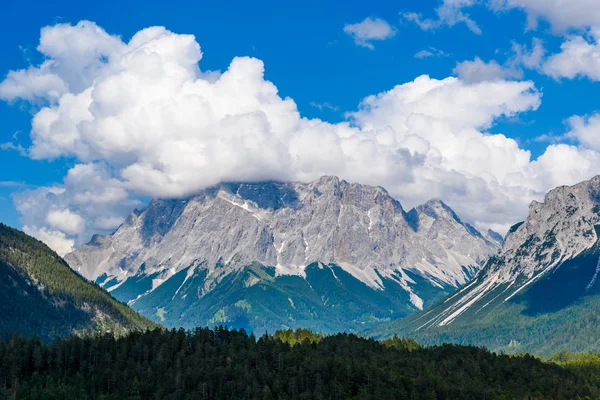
column 540, row 294
column 327, row 255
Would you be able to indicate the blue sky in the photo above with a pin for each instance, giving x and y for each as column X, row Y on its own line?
column 312, row 60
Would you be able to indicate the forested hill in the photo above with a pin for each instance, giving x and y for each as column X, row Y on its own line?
column 222, row 364
column 40, row 295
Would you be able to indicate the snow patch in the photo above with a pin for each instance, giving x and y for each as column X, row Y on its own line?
column 416, row 300
column 367, row 276
column 189, row 274
column 110, row 289
column 244, row 206
column 290, row 270
column 333, row 273
column 479, row 294
column 589, row 286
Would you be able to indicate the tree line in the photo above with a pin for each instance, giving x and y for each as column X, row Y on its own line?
column 230, row 364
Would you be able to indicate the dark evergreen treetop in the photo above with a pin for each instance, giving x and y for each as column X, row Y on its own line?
column 224, row 364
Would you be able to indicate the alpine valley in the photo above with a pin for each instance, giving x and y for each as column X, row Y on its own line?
column 541, row 294
column 327, row 255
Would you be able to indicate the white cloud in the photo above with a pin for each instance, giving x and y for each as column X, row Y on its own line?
column 528, row 58
column 449, row 13
column 13, row 146
column 425, row 24
column 56, row 240
column 562, row 15
column 563, row 164
column 76, row 55
column 88, row 201
column 324, row 106
column 481, row 71
column 31, row 84
column 585, row 130
column 457, row 104
column 11, row 184
column 579, row 57
column 368, row 30
column 429, row 53
column 521, row 57
column 65, row 221
column 149, row 122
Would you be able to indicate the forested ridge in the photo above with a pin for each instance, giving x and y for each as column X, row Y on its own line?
column 41, row 295
column 224, row 364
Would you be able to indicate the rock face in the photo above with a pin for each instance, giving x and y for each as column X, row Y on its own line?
column 545, row 280
column 270, row 234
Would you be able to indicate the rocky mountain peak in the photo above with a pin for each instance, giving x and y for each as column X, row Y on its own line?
column 437, row 209
column 329, row 181
column 265, row 195
column 564, row 224
column 554, row 253
column 495, row 237
column 289, row 226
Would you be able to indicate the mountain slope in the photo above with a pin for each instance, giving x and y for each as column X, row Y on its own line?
column 328, row 255
column 540, row 294
column 40, row 295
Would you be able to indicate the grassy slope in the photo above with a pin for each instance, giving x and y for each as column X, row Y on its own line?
column 328, row 300
column 556, row 313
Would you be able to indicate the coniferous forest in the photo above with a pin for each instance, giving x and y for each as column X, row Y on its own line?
column 226, row 364
column 41, row 295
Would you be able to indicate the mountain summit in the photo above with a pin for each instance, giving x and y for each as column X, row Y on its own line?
column 330, row 255
column 539, row 294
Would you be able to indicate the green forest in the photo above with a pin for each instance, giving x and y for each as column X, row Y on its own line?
column 231, row 364
column 40, row 294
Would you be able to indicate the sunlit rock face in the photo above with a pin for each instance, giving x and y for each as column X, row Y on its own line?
column 289, row 230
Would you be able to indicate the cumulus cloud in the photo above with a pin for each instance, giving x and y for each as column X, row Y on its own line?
column 32, row 83
column 564, row 164
column 142, row 119
column 75, row 56
column 521, row 56
column 65, row 221
column 88, row 201
column 481, row 71
column 585, row 130
column 458, row 104
column 56, row 240
column 562, row 15
column 368, row 30
column 579, row 57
